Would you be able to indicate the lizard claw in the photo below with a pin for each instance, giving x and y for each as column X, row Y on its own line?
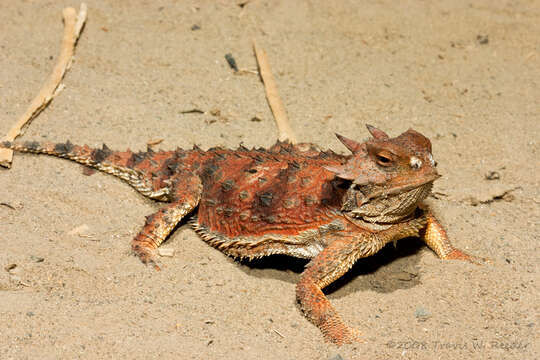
column 155, row 264
column 477, row 260
column 148, row 257
column 457, row 254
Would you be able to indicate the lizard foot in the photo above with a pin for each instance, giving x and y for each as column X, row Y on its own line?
column 457, row 254
column 339, row 333
column 147, row 256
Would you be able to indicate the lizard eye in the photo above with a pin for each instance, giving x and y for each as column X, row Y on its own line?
column 415, row 162
column 384, row 159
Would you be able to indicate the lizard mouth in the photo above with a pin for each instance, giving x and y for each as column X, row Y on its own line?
column 381, row 191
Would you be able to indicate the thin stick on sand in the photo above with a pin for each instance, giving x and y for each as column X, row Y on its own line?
column 73, row 25
column 285, row 132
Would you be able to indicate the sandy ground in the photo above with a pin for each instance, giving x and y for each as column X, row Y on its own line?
column 465, row 74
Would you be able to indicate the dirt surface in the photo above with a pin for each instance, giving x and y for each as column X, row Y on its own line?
column 464, row 73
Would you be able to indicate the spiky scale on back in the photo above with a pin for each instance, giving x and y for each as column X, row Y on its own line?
column 289, row 199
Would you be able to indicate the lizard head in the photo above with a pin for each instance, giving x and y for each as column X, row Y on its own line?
column 388, row 177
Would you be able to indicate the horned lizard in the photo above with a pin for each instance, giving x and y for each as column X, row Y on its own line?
column 288, row 199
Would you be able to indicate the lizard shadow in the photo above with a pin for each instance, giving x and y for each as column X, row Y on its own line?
column 388, row 270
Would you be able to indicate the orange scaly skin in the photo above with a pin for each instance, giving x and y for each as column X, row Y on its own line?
column 289, row 199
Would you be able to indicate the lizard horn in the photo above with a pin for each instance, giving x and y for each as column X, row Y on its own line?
column 377, row 133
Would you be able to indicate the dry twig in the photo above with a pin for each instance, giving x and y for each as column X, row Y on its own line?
column 285, row 132
column 73, row 25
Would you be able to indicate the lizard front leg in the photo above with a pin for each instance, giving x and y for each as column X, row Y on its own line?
column 334, row 261
column 436, row 238
column 187, row 191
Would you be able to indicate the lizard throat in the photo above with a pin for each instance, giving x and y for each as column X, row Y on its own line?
column 387, row 209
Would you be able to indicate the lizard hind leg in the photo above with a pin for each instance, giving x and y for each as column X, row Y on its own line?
column 158, row 226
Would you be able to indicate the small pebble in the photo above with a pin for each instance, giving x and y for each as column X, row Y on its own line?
column 482, row 39
column 10, row 267
column 168, row 252
column 492, row 175
column 231, row 62
column 422, row 314
column 336, row 357
column 37, row 259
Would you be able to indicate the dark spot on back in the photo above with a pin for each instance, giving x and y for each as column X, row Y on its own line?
column 266, row 198
column 227, row 185
column 63, row 148
column 285, row 150
column 180, row 154
column 243, row 194
column 172, row 166
column 136, row 158
column 210, row 202
column 270, row 219
column 98, row 155
column 296, row 165
column 288, row 203
column 31, row 145
column 150, row 218
column 209, row 170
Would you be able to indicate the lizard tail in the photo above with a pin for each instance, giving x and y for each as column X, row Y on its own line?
column 100, row 159
column 111, row 162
